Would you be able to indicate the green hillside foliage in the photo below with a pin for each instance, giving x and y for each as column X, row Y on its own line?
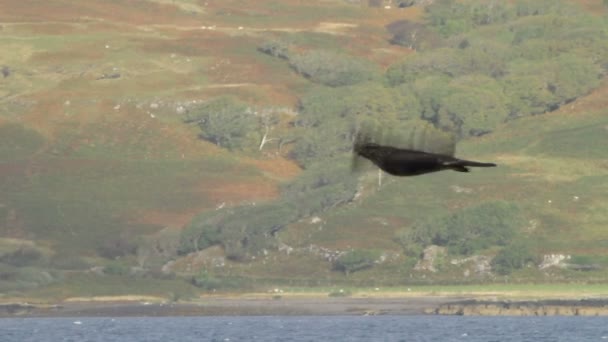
column 245, row 231
column 127, row 153
column 515, row 256
column 356, row 260
column 536, row 58
column 332, row 69
column 468, row 230
column 226, row 122
column 18, row 142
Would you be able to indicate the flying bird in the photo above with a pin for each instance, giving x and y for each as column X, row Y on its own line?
column 409, row 162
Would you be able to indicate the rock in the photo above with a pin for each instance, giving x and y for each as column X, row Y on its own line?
column 315, row 220
column 461, row 190
column 429, row 257
column 553, row 260
column 6, row 71
column 480, row 264
column 108, row 76
column 525, row 308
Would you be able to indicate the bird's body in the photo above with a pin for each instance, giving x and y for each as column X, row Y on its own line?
column 406, row 162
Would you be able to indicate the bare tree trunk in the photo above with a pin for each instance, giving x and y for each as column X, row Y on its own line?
column 265, row 139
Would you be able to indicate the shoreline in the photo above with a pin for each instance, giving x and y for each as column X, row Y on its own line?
column 231, row 306
column 311, row 306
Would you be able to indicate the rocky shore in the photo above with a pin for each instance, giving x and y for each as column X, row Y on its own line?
column 226, row 306
column 229, row 306
column 582, row 307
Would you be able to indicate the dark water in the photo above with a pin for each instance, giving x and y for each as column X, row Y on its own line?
column 309, row 328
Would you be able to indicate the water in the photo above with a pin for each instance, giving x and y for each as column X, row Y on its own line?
column 309, row 328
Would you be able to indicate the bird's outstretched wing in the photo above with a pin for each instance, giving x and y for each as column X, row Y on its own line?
column 420, row 157
column 418, row 136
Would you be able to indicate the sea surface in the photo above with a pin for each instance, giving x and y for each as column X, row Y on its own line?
column 307, row 328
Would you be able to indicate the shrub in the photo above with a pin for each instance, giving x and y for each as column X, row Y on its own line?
column 206, row 281
column 203, row 231
column 24, row 256
column 356, row 260
column 17, row 141
column 340, row 293
column 116, row 247
column 117, row 268
column 412, row 35
column 225, row 122
column 468, row 230
column 451, row 17
column 243, row 231
column 512, row 257
column 275, row 48
column 69, row 262
column 332, row 69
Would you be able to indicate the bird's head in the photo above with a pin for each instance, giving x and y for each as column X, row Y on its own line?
column 363, row 147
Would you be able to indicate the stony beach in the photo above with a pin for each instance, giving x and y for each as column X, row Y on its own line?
column 297, row 306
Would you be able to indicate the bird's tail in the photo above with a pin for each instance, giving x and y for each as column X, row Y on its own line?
column 475, row 164
column 463, row 165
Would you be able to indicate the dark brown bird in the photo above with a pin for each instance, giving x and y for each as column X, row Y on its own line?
column 407, row 162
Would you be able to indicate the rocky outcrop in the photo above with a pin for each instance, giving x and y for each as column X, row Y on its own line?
column 585, row 307
column 429, row 258
column 553, row 260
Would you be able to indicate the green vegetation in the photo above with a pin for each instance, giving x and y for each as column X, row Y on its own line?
column 18, row 142
column 540, row 60
column 332, row 69
column 225, row 121
column 247, row 230
column 514, row 256
column 99, row 174
column 206, row 281
column 356, row 260
column 469, row 230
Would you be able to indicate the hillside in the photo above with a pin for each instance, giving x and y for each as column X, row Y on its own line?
column 103, row 172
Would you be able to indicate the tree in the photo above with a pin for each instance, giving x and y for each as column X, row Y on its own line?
column 525, row 8
column 331, row 68
column 437, row 62
column 513, row 257
column 528, row 95
column 364, row 100
column 324, row 185
column 467, row 105
column 225, row 121
column 475, row 105
column 451, row 17
column 468, row 230
column 412, row 35
column 267, row 121
column 275, row 48
column 331, row 140
column 535, row 87
column 242, row 231
column 356, row 260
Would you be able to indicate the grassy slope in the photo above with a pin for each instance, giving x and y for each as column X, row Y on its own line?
column 87, row 159
column 553, row 165
column 111, row 157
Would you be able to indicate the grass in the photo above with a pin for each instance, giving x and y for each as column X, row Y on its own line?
column 76, row 175
column 79, row 205
column 501, row 291
column 91, row 285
